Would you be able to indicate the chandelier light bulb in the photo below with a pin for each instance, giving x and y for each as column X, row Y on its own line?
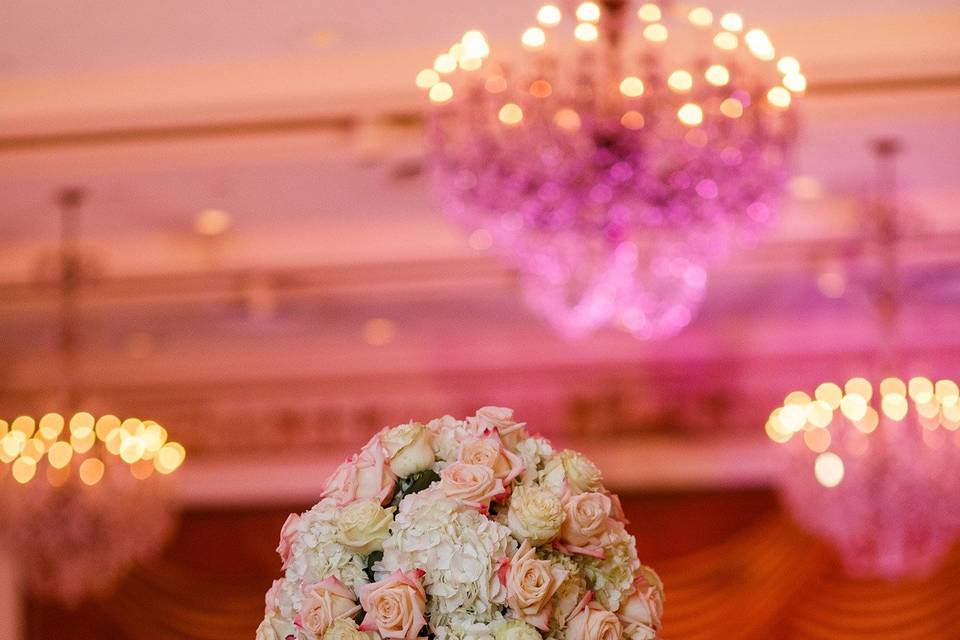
column 700, row 17
column 549, row 15
column 717, row 75
column 732, row 108
column 779, row 97
column 588, row 12
column 759, row 44
column 441, row 92
column 445, row 63
column 511, row 114
column 632, row 87
column 795, row 82
column 649, row 12
column 680, row 81
column 726, row 41
column 586, row 32
column 732, row 22
column 690, row 114
column 655, row 33
column 829, row 469
column 533, row 38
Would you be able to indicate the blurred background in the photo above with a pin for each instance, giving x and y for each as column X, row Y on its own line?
column 267, row 273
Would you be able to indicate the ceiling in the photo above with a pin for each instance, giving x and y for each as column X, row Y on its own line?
column 303, row 125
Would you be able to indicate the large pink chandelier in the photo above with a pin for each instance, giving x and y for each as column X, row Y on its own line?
column 618, row 157
column 875, row 468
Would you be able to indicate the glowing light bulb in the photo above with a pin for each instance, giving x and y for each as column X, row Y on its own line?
column 787, row 65
column 540, row 89
column 828, row 469
column 732, row 22
column 793, row 417
column 170, row 457
column 779, row 97
column 445, row 63
column 588, row 12
column 680, row 81
column 819, row 413
column 655, row 32
column 24, row 469
column 495, row 84
column 441, row 92
column 853, row 406
column 60, row 455
column 81, row 424
column 797, row 397
column 549, row 15
column 50, row 425
column 510, row 114
column 586, row 32
column 83, row 443
column 795, row 82
column 726, row 41
column 91, row 471
column 567, row 119
column 894, row 406
column 106, row 424
column 732, row 108
column 869, row 422
column 649, row 12
column 26, row 425
column 700, row 17
column 690, row 114
column 946, row 389
column 817, row 440
column 893, row 385
column 859, row 386
column 631, row 86
column 759, row 44
column 717, row 75
column 830, row 393
column 919, row 387
column 632, row 120
column 534, row 38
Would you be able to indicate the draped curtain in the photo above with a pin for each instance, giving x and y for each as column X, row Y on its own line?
column 764, row 579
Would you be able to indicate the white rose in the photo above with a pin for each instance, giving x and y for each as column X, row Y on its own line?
column 586, row 517
column 346, row 629
column 517, row 630
column 582, row 474
column 362, row 526
column 501, row 419
column 535, row 514
column 409, row 449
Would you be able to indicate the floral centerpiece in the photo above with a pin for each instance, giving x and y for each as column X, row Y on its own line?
column 462, row 529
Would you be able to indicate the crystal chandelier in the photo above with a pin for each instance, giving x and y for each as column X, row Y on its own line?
column 616, row 159
column 87, row 501
column 875, row 468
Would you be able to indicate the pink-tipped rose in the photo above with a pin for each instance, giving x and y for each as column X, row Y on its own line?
column 593, row 622
column 394, row 606
column 474, row 485
column 323, row 603
column 642, row 613
column 366, row 475
column 531, row 584
column 288, row 534
column 586, row 518
column 500, row 419
column 490, row 451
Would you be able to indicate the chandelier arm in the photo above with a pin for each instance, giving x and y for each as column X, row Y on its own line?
column 888, row 299
column 70, row 199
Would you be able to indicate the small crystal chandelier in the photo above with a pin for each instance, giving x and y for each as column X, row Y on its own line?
column 618, row 158
column 91, row 503
column 875, row 468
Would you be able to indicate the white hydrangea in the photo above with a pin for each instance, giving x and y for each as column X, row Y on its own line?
column 316, row 554
column 612, row 578
column 460, row 627
column 535, row 452
column 459, row 550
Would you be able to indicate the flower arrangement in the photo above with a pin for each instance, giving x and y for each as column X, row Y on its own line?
column 462, row 530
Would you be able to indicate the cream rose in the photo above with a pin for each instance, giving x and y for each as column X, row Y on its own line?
column 276, row 628
column 582, row 475
column 323, row 603
column 366, row 475
column 394, row 605
column 531, row 584
column 363, row 526
column 535, row 514
column 516, row 630
column 594, row 622
column 409, row 449
column 345, row 629
column 490, row 452
column 586, row 518
column 271, row 599
column 472, row 484
column 642, row 612
column 288, row 534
